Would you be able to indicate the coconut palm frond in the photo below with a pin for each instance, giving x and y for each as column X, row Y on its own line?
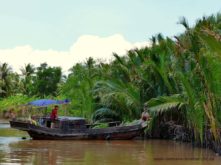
column 164, row 103
column 183, row 21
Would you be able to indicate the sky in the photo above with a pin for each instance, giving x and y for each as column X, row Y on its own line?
column 64, row 32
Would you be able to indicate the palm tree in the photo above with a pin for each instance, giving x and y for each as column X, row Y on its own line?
column 176, row 75
column 79, row 87
column 27, row 73
column 196, row 71
column 28, row 70
column 5, row 81
column 120, row 96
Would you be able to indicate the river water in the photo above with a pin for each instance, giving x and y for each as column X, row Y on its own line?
column 15, row 150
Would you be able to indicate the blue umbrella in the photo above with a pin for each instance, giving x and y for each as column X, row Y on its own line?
column 46, row 102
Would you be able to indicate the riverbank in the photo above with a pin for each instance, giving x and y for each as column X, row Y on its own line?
column 171, row 131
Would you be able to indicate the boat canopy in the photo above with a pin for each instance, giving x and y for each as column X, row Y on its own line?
column 47, row 102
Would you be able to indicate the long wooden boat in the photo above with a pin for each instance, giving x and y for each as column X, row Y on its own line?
column 72, row 128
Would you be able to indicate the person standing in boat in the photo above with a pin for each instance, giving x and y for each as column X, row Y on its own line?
column 54, row 115
column 145, row 116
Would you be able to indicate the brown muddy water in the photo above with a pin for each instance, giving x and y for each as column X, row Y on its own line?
column 14, row 150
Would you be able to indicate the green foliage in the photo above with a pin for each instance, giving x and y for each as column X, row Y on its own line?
column 27, row 79
column 47, row 80
column 79, row 85
column 125, row 95
column 105, row 114
column 6, row 81
column 164, row 103
column 101, row 125
column 171, row 75
column 15, row 102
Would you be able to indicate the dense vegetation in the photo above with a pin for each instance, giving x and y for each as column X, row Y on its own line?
column 178, row 78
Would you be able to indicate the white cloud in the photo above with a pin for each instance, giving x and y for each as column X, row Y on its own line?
column 86, row 46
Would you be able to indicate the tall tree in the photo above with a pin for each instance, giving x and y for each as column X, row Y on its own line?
column 27, row 78
column 79, row 87
column 5, row 80
column 47, row 80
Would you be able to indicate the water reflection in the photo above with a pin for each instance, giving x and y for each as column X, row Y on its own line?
column 153, row 152
column 4, row 125
column 104, row 152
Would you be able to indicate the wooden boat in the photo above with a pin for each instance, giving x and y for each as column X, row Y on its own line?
column 74, row 128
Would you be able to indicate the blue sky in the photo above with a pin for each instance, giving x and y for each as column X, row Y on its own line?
column 60, row 25
column 56, row 24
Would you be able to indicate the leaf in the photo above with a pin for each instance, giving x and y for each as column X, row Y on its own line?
column 164, row 103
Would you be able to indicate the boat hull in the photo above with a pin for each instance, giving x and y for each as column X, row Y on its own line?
column 88, row 134
column 110, row 133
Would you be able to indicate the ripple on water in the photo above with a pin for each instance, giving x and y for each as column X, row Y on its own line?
column 7, row 140
column 15, row 150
